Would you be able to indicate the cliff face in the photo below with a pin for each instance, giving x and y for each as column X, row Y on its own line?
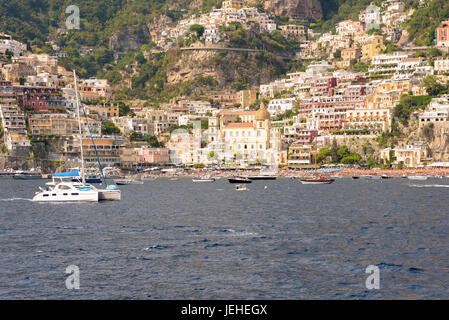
column 224, row 67
column 295, row 8
column 129, row 39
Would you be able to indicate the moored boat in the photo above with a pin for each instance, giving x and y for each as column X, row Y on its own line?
column 121, row 182
column 239, row 180
column 67, row 192
column 262, row 177
column 419, row 178
column 317, row 180
column 371, row 177
column 27, row 176
column 203, row 179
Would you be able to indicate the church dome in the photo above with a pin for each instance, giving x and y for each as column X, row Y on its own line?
column 262, row 114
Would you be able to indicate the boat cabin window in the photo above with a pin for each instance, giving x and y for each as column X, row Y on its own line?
column 64, row 187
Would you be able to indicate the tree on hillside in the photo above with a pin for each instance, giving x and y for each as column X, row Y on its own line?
column 197, row 29
column 433, row 86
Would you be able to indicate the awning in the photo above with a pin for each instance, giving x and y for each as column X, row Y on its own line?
column 75, row 173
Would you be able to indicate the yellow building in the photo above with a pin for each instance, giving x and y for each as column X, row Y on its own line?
column 374, row 120
column 108, row 150
column 296, row 32
column 350, row 54
column 233, row 4
column 373, row 47
column 388, row 94
column 299, row 154
column 15, row 140
column 403, row 86
column 245, row 136
column 105, row 111
column 247, row 97
column 62, row 126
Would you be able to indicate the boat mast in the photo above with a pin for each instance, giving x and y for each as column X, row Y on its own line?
column 80, row 131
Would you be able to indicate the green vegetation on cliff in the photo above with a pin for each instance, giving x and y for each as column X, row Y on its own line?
column 422, row 24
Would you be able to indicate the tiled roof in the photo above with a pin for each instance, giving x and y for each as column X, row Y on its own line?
column 236, row 125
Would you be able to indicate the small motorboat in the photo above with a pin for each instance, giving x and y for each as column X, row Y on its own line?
column 122, row 182
column 355, row 177
column 240, row 188
column 371, row 177
column 239, row 180
column 318, row 180
column 419, row 178
column 27, row 176
column 384, row 176
column 203, row 179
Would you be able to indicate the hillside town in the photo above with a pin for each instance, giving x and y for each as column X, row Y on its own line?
column 345, row 97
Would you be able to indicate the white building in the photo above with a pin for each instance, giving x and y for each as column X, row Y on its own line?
column 441, row 65
column 211, row 34
column 277, row 106
column 389, row 59
column 437, row 112
column 8, row 44
column 410, row 156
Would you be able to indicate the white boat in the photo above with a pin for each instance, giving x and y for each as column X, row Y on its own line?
column 110, row 193
column 67, row 192
column 419, row 178
column 122, row 182
column 320, row 180
column 78, row 190
column 371, row 177
column 203, row 179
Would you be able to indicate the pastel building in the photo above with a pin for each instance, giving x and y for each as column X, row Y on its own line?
column 442, row 34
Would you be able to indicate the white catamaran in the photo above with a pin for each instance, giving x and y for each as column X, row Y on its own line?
column 76, row 191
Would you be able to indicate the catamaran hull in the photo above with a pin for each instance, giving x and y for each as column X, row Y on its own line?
column 109, row 195
column 82, row 196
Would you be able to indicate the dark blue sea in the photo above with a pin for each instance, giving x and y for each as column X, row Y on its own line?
column 278, row 240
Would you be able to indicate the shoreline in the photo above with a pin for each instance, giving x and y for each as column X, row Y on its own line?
column 282, row 173
column 294, row 173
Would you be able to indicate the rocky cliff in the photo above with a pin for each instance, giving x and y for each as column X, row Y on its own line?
column 225, row 67
column 298, row 9
column 131, row 38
